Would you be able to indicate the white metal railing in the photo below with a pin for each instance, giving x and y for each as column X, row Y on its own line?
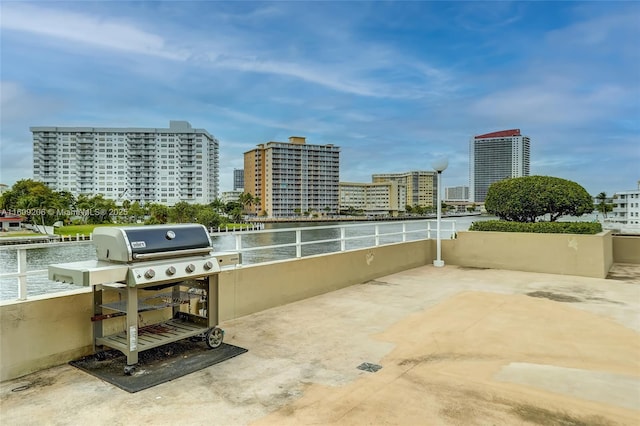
column 368, row 230
column 348, row 237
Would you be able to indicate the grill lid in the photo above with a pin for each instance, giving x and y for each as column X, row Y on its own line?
column 137, row 243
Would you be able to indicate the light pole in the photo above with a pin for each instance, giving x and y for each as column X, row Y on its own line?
column 439, row 166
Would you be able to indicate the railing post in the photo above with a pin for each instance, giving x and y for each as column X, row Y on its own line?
column 343, row 241
column 22, row 270
column 377, row 232
column 239, row 245
column 404, row 232
column 298, row 243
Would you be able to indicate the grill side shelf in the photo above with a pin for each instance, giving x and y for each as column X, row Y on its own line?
column 158, row 301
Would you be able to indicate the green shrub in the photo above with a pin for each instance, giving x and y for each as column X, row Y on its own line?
column 538, row 227
column 529, row 198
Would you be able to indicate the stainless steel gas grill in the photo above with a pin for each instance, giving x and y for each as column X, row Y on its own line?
column 162, row 278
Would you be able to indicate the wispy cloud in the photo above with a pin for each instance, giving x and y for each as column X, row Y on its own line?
column 84, row 29
column 598, row 31
column 353, row 76
column 548, row 105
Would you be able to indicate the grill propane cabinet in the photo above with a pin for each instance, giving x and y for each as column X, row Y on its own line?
column 168, row 269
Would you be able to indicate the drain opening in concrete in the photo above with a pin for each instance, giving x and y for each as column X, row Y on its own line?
column 371, row 368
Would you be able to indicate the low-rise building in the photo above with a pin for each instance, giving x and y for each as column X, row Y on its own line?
column 229, row 196
column 456, row 193
column 373, row 199
column 10, row 221
column 421, row 186
column 626, row 207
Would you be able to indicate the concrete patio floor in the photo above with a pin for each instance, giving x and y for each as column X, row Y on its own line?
column 456, row 346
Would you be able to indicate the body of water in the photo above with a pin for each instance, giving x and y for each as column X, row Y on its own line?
column 358, row 237
column 41, row 258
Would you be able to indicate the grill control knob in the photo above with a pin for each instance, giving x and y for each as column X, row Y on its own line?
column 208, row 265
column 171, row 270
column 150, row 273
column 190, row 267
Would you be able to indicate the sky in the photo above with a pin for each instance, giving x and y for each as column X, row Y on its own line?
column 396, row 85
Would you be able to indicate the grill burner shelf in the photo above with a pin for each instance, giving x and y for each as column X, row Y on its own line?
column 158, row 301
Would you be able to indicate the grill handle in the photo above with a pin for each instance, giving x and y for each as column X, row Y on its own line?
column 173, row 253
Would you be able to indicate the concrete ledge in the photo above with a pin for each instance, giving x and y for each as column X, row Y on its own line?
column 40, row 333
column 565, row 254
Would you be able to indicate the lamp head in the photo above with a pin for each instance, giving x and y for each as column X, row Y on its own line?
column 440, row 164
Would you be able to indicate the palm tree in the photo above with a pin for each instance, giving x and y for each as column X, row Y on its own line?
column 217, row 205
column 602, row 206
column 247, row 200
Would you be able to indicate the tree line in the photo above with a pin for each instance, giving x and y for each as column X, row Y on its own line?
column 525, row 199
column 39, row 204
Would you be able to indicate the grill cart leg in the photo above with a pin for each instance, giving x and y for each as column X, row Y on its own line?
column 132, row 329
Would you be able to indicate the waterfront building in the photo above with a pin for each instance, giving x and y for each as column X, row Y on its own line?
column 230, row 196
column 421, row 186
column 293, row 178
column 238, row 180
column 10, row 221
column 496, row 156
column 626, row 207
column 373, row 199
column 148, row 165
column 456, row 193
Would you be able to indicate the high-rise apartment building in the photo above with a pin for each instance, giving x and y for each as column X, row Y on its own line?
column 496, row 156
column 382, row 198
column 238, row 180
column 421, row 186
column 293, row 178
column 148, row 165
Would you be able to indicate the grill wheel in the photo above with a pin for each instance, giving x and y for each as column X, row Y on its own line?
column 214, row 337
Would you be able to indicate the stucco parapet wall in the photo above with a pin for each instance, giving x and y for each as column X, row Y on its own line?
column 626, row 249
column 565, row 254
column 45, row 331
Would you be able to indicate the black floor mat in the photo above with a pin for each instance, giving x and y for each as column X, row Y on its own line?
column 157, row 365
